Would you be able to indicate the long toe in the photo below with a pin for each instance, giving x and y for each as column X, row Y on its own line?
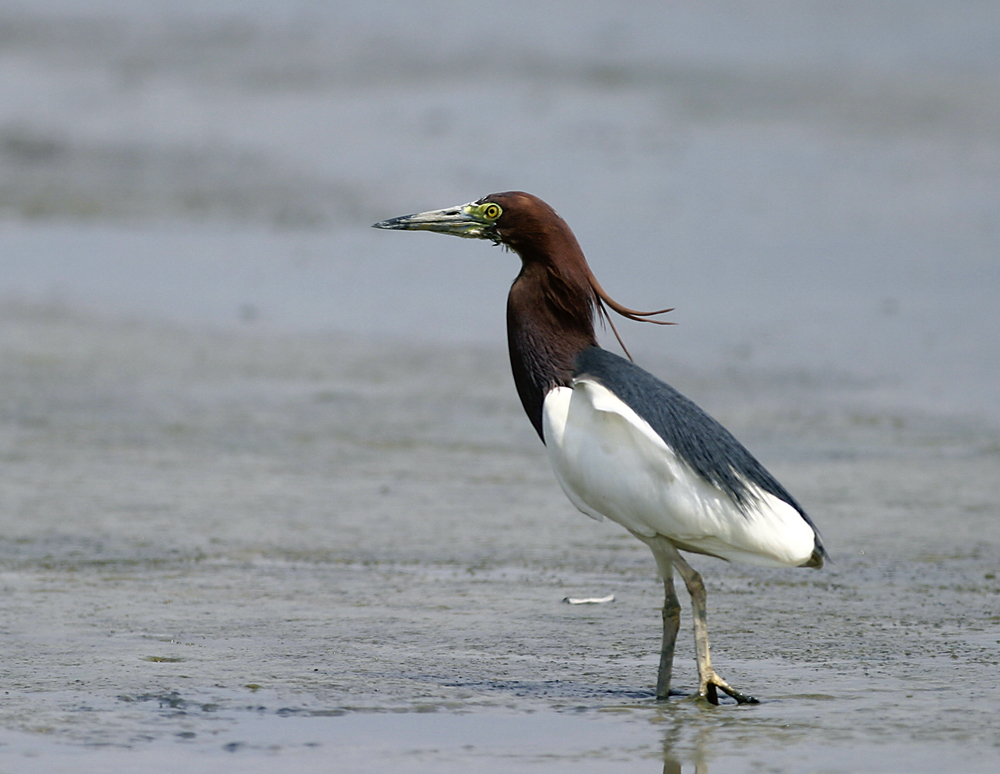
column 714, row 684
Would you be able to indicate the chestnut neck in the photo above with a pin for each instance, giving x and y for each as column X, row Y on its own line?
column 550, row 317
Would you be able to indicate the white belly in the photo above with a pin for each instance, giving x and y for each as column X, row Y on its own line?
column 610, row 462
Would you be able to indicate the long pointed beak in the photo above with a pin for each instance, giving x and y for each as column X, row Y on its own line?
column 463, row 221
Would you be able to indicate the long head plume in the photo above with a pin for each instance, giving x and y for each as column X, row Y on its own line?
column 604, row 301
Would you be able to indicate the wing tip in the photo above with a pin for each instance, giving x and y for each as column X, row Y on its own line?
column 818, row 557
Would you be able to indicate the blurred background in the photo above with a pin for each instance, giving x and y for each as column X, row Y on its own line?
column 262, row 466
column 814, row 185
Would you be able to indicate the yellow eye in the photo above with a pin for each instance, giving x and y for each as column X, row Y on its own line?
column 491, row 211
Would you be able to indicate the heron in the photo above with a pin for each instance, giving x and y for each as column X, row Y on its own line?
column 622, row 443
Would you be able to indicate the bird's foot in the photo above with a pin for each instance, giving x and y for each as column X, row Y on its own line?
column 713, row 684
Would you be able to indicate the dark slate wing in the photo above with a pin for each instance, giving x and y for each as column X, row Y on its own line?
column 705, row 445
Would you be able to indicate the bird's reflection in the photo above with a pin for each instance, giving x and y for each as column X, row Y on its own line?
column 685, row 743
column 673, row 766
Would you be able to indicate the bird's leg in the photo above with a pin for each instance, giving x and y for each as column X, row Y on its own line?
column 671, row 623
column 709, row 683
column 664, row 553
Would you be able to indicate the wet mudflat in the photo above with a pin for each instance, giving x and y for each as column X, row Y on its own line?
column 259, row 551
column 267, row 499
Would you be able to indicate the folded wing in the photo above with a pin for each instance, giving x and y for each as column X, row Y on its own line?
column 640, row 462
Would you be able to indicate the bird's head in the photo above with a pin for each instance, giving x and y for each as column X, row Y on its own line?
column 532, row 229
column 514, row 219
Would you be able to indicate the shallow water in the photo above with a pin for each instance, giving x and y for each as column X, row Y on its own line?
column 269, row 501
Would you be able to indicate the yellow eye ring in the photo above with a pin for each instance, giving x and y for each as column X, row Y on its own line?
column 491, row 211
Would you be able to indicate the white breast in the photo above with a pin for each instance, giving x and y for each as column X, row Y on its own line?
column 610, row 462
